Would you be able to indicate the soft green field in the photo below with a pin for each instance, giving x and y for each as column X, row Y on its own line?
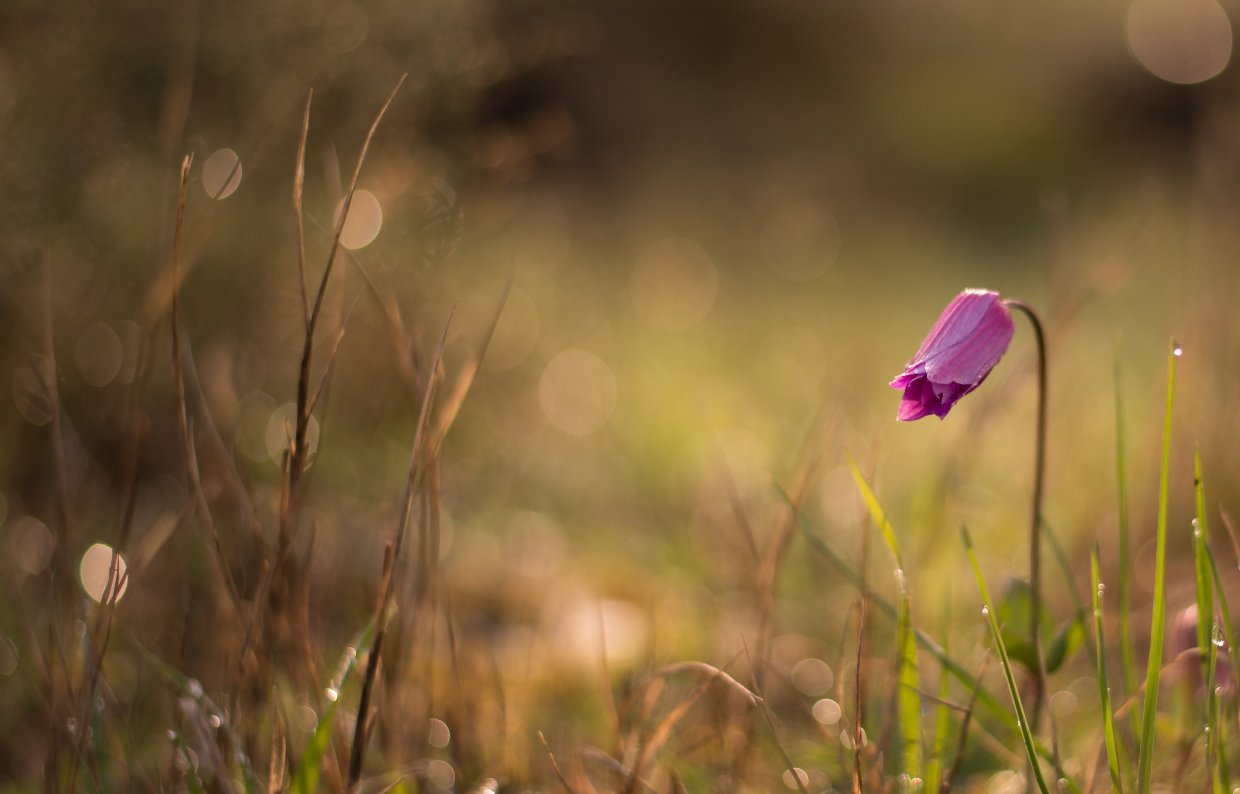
column 626, row 282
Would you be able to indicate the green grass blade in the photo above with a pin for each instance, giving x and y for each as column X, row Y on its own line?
column 306, row 778
column 876, row 510
column 1158, row 624
column 1224, row 611
column 923, row 639
column 1205, row 615
column 1104, row 689
column 1205, row 592
column 1021, row 720
column 1128, row 660
column 1227, row 628
column 927, row 642
column 909, row 696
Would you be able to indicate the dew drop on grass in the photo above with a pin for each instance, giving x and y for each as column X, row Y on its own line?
column 172, row 735
column 1177, row 351
column 985, row 610
column 214, row 721
column 194, row 688
column 1216, row 635
column 332, row 694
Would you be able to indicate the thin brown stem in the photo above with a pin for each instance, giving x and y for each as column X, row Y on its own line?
column 361, row 730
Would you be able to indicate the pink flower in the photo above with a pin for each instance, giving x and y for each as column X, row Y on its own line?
column 970, row 337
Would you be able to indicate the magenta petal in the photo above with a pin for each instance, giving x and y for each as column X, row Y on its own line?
column 924, row 398
column 966, row 342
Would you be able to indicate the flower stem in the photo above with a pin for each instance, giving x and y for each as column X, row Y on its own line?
column 1035, row 519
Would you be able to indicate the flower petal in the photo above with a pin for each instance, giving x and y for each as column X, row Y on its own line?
column 966, row 342
column 975, row 354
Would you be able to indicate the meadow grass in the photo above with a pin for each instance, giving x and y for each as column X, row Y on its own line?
column 264, row 674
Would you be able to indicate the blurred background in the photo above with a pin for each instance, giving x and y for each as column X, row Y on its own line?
column 727, row 225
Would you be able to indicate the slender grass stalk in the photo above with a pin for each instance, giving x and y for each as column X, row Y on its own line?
column 1158, row 626
column 1205, row 616
column 1104, row 688
column 1035, row 518
column 1227, row 629
column 1022, row 721
column 908, row 697
column 1226, row 625
column 1128, row 661
column 1213, row 748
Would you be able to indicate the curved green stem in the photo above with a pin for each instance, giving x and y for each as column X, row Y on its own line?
column 1035, row 519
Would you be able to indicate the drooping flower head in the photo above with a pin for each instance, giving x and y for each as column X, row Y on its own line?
column 970, row 337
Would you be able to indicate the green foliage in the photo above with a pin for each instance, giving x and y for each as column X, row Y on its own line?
column 1015, row 609
column 1153, row 670
column 306, row 775
column 996, row 635
column 1104, row 687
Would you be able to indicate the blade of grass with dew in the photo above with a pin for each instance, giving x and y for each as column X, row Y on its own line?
column 997, row 635
column 1205, row 613
column 306, row 778
column 1104, row 688
column 1201, row 536
column 925, row 640
column 1158, row 624
column 909, row 696
column 928, row 643
column 1128, row 660
column 1227, row 629
column 1213, row 748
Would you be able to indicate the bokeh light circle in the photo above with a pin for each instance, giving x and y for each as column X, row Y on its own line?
column 94, row 571
column 30, row 544
column 577, row 392
column 365, row 220
column 99, row 354
column 674, row 284
column 221, row 174
column 1180, row 41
